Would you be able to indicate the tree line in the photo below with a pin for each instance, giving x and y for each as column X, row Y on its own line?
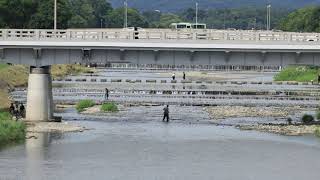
column 36, row 14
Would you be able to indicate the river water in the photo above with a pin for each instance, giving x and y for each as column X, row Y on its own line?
column 135, row 144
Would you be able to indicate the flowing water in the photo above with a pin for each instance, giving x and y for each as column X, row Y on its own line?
column 135, row 144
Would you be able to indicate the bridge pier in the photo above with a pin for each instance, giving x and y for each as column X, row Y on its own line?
column 39, row 96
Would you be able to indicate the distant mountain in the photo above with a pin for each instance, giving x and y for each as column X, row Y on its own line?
column 176, row 5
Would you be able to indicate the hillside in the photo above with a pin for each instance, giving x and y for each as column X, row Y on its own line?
column 171, row 6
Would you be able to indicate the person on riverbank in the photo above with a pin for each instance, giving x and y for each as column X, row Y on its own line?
column 22, row 110
column 11, row 109
column 184, row 76
column 173, row 76
column 166, row 113
column 106, row 94
column 16, row 112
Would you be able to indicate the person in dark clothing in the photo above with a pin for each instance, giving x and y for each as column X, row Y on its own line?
column 106, row 95
column 11, row 109
column 318, row 78
column 184, row 76
column 22, row 110
column 173, row 76
column 166, row 113
column 16, row 112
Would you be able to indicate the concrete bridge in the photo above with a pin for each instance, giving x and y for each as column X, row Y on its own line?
column 153, row 47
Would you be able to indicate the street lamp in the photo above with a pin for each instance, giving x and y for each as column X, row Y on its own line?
column 196, row 15
column 125, row 24
column 55, row 15
column 268, row 17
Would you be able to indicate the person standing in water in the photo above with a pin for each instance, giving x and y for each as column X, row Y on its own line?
column 173, row 76
column 106, row 94
column 166, row 113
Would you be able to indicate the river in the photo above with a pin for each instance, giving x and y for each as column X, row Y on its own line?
column 135, row 144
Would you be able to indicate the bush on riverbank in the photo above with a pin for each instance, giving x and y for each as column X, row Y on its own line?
column 318, row 115
column 109, row 107
column 307, row 119
column 83, row 104
column 298, row 73
column 10, row 131
column 317, row 132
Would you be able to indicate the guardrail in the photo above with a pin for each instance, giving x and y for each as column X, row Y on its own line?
column 154, row 34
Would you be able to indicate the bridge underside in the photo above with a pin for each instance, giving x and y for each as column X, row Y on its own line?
column 44, row 57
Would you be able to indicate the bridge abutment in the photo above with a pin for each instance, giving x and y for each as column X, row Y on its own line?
column 39, row 96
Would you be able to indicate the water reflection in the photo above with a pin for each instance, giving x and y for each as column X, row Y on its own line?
column 37, row 148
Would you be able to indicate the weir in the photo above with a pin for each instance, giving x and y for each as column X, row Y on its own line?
column 39, row 96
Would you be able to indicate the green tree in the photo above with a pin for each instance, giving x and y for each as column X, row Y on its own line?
column 302, row 20
column 82, row 14
column 190, row 14
column 167, row 19
column 101, row 8
column 43, row 17
column 152, row 17
column 115, row 19
column 16, row 13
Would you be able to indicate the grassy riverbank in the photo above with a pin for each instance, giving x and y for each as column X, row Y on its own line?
column 17, row 75
column 109, row 107
column 83, row 104
column 317, row 132
column 298, row 73
column 64, row 70
column 10, row 131
column 11, row 76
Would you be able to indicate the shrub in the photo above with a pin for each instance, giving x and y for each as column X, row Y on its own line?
column 318, row 115
column 317, row 132
column 10, row 131
column 307, row 119
column 81, row 105
column 298, row 73
column 109, row 107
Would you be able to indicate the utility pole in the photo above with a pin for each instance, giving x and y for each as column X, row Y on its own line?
column 268, row 17
column 55, row 15
column 125, row 24
column 196, row 15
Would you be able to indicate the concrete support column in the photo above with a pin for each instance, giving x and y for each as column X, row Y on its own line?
column 227, row 55
column 297, row 57
column 191, row 55
column 156, row 56
column 122, row 54
column 39, row 96
column 263, row 59
column 50, row 98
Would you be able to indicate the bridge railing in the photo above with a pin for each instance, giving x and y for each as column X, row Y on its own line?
column 154, row 34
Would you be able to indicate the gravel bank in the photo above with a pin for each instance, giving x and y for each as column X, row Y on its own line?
column 222, row 112
column 62, row 127
column 288, row 130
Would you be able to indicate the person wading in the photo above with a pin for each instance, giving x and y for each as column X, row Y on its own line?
column 166, row 113
column 173, row 76
column 106, row 94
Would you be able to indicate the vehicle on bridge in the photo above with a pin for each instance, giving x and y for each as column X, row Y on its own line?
column 183, row 25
